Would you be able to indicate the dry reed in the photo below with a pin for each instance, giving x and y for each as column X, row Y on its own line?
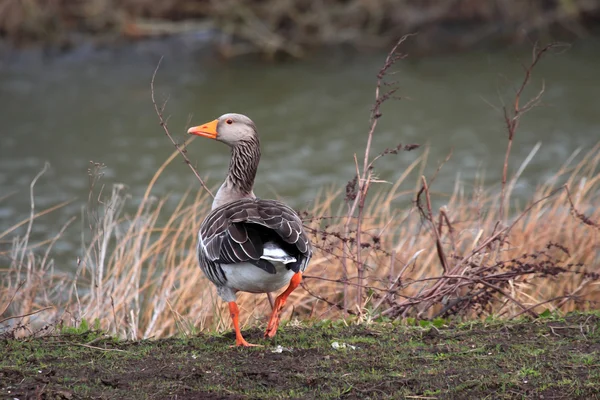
column 140, row 278
column 386, row 254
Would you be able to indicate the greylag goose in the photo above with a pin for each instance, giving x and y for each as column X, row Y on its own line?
column 245, row 243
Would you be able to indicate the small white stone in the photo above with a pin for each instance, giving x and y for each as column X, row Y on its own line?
column 278, row 349
column 337, row 345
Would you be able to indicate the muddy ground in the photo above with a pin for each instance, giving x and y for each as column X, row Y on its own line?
column 550, row 358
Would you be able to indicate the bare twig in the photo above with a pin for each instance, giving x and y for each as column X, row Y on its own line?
column 429, row 217
column 580, row 216
column 332, row 304
column 163, row 124
column 92, row 347
column 512, row 117
column 25, row 315
column 397, row 281
column 365, row 176
column 569, row 296
column 13, row 297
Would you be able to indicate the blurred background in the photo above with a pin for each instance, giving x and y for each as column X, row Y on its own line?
column 75, row 87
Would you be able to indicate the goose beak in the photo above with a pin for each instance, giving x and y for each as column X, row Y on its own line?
column 208, row 130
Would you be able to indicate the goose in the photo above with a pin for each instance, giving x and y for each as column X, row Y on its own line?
column 246, row 243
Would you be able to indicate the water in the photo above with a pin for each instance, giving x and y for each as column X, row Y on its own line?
column 312, row 116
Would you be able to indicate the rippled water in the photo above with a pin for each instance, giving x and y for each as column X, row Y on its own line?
column 312, row 116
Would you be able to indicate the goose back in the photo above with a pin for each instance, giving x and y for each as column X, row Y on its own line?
column 237, row 232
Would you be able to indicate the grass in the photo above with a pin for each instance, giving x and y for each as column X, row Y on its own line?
column 490, row 359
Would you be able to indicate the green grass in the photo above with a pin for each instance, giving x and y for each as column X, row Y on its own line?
column 491, row 359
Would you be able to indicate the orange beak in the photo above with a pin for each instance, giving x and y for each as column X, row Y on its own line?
column 208, row 130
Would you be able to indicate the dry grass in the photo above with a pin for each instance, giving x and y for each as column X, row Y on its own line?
column 140, row 278
column 383, row 254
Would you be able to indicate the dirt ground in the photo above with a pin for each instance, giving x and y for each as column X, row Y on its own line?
column 550, row 358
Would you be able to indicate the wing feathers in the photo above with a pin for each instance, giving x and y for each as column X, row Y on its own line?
column 237, row 232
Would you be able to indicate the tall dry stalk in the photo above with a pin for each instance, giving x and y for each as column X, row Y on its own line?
column 356, row 197
column 512, row 115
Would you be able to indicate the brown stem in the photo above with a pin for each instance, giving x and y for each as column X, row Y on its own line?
column 429, row 217
column 331, row 303
column 26, row 314
column 365, row 176
column 163, row 124
column 512, row 117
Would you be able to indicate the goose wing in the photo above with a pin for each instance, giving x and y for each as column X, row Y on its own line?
column 238, row 231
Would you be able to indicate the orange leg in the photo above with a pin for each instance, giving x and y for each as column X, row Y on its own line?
column 235, row 316
column 279, row 303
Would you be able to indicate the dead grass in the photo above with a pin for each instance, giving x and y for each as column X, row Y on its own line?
column 140, row 278
column 381, row 251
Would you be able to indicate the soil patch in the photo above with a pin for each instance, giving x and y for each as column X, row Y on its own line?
column 556, row 358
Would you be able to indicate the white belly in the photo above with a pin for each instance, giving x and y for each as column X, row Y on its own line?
column 247, row 277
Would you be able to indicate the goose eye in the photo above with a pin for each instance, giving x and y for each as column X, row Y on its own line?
column 229, row 122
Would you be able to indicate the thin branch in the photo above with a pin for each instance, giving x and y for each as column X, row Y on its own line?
column 429, row 217
column 580, row 216
column 316, row 296
column 163, row 124
column 513, row 116
column 21, row 284
column 366, row 173
column 25, row 315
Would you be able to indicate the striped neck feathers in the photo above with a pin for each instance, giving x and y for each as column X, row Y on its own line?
column 239, row 182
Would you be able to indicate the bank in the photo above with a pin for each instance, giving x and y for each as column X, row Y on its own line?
column 550, row 357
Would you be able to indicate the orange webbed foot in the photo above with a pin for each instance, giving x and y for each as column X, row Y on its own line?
column 243, row 343
column 279, row 303
column 235, row 316
column 272, row 326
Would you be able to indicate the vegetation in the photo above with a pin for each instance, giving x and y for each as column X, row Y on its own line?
column 402, row 298
column 479, row 255
column 297, row 26
column 551, row 357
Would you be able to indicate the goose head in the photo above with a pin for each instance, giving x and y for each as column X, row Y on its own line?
column 231, row 129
